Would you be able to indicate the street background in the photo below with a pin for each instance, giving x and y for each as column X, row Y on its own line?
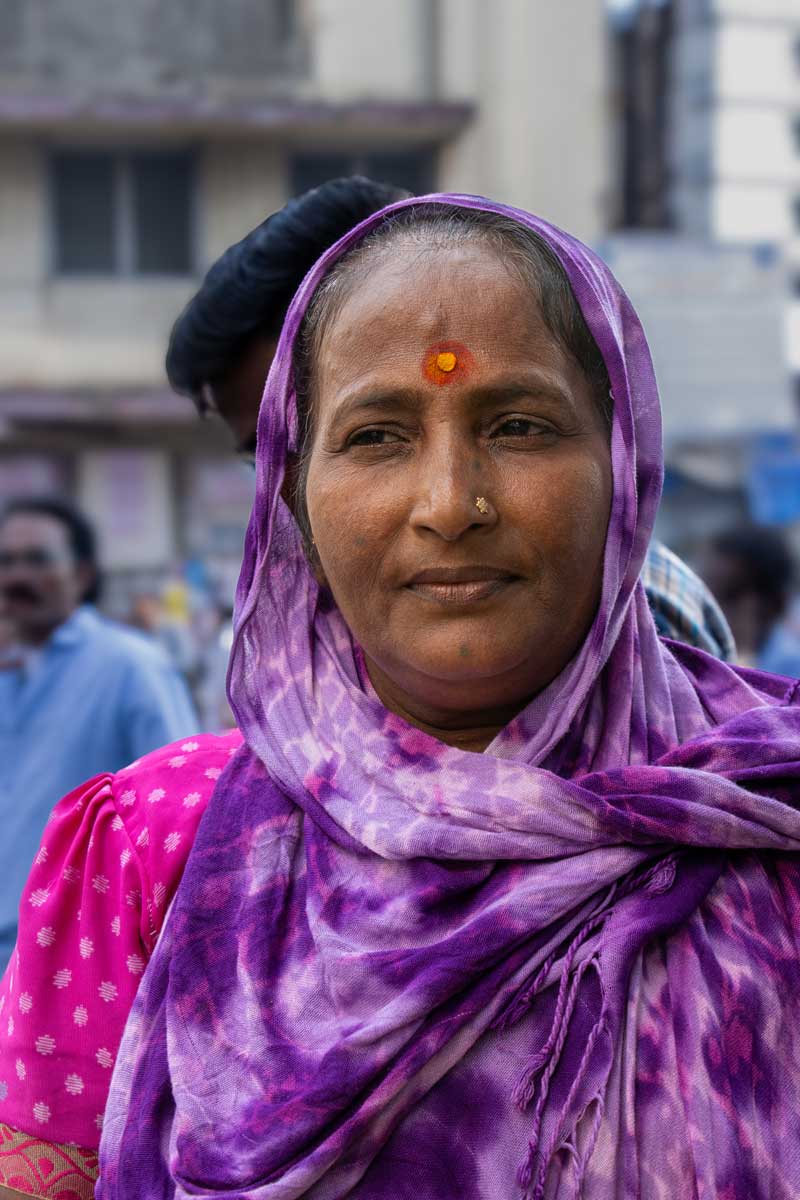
column 138, row 140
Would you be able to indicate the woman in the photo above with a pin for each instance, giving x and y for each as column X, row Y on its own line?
column 500, row 887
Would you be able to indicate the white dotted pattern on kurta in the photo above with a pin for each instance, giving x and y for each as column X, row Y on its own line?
column 111, row 857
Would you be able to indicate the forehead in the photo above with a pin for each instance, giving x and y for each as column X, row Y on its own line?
column 34, row 530
column 404, row 300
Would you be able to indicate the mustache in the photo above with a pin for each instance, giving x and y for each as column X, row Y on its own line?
column 21, row 591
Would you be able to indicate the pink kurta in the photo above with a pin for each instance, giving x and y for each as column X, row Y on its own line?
column 111, row 857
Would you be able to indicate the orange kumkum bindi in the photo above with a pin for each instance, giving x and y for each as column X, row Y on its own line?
column 446, row 361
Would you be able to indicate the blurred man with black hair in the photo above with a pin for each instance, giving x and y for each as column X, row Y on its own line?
column 81, row 696
column 224, row 341
column 751, row 571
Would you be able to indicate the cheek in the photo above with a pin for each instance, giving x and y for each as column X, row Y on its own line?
column 590, row 497
column 57, row 585
column 564, row 510
column 589, row 503
column 351, row 523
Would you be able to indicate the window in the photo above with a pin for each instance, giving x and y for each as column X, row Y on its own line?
column 796, row 212
column 796, row 134
column 284, row 16
column 411, row 169
column 162, row 201
column 122, row 214
column 83, row 186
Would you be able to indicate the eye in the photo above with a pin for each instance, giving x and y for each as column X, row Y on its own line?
column 522, row 427
column 372, row 437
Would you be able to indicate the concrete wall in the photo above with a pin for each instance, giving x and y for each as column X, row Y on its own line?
column 364, row 50
column 540, row 78
column 758, row 63
column 241, row 182
column 141, row 45
column 22, row 217
column 713, row 317
column 758, row 10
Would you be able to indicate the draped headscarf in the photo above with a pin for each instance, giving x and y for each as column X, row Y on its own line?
column 399, row 969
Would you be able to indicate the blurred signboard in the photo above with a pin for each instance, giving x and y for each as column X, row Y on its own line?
column 218, row 502
column 714, row 318
column 30, row 475
column 128, row 496
column 773, row 481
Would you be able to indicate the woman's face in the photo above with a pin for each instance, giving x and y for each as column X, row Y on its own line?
column 437, row 382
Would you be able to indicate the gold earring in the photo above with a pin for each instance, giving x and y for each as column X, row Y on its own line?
column 481, row 505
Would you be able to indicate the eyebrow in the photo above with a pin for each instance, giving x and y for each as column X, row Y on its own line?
column 413, row 399
column 378, row 399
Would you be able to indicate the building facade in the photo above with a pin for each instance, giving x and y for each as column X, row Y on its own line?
column 709, row 106
column 736, row 98
column 137, row 142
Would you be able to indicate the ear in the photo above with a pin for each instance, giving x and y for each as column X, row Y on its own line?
column 316, row 569
column 290, row 482
column 86, row 576
column 289, row 497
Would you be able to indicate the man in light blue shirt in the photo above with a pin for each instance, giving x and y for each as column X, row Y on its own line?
column 80, row 696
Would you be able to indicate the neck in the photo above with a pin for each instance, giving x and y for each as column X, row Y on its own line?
column 463, row 730
column 37, row 635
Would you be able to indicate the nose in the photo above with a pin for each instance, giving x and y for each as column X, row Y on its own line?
column 15, row 572
column 447, row 488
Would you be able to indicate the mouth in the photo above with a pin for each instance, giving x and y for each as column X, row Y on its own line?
column 460, row 586
column 19, row 594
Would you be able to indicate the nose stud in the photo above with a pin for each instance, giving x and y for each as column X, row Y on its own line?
column 481, row 505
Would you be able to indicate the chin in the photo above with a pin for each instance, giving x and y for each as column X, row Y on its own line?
column 450, row 666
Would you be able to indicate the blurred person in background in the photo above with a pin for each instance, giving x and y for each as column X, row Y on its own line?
column 9, row 650
column 165, row 620
column 146, row 614
column 751, row 572
column 80, row 696
column 212, row 697
column 223, row 343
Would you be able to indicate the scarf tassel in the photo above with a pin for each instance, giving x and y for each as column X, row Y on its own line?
column 533, row 1172
column 536, row 1079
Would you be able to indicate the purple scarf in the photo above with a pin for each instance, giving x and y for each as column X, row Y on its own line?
column 397, row 969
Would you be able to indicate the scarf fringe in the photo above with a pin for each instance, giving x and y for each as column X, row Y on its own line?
column 533, row 1172
column 655, row 879
column 535, row 1081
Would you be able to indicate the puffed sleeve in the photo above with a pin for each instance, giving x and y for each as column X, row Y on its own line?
column 111, row 857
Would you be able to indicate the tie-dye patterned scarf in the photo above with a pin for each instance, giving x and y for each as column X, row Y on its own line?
column 396, row 969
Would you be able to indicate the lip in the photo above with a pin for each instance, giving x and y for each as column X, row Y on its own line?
column 27, row 599
column 460, row 585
